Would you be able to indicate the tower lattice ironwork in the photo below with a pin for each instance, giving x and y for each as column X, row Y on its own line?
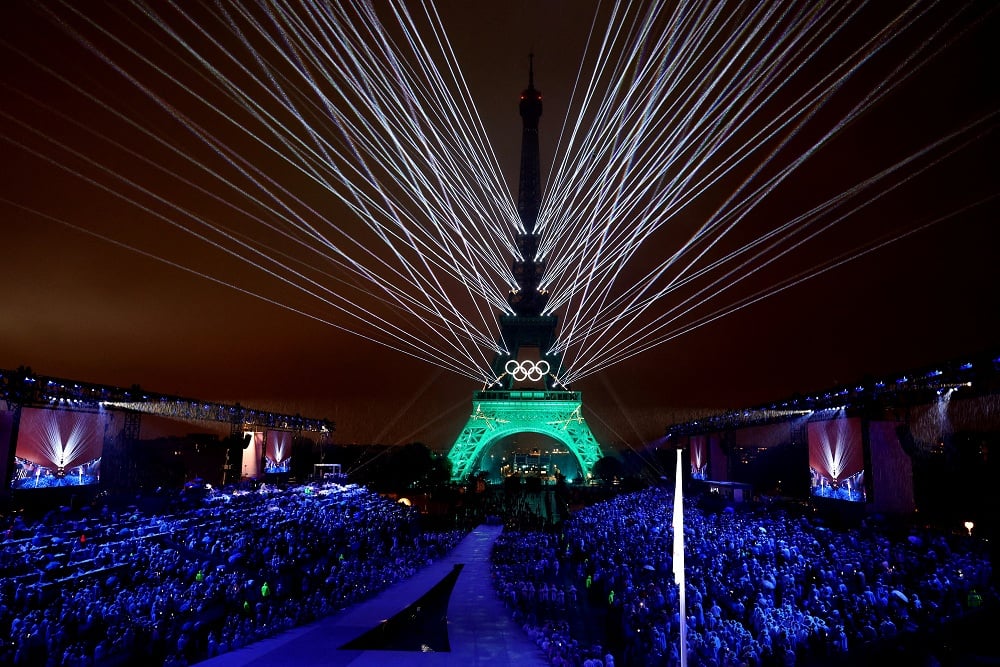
column 526, row 395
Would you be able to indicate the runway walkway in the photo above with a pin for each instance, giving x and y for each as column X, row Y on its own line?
column 480, row 630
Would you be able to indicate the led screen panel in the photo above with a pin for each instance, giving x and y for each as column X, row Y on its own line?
column 836, row 459
column 278, row 454
column 699, row 457
column 58, row 448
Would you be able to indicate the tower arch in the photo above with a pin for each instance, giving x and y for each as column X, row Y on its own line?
column 498, row 414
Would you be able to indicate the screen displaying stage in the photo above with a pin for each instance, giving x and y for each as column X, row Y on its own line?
column 836, row 459
column 278, row 455
column 699, row 457
column 58, row 448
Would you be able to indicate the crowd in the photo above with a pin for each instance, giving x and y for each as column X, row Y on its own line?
column 765, row 586
column 107, row 587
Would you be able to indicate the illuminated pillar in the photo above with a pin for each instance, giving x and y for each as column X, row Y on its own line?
column 678, row 524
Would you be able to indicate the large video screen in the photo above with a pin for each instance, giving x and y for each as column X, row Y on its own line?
column 836, row 459
column 58, row 448
column 278, row 455
column 699, row 457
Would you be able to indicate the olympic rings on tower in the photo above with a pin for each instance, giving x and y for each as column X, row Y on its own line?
column 527, row 369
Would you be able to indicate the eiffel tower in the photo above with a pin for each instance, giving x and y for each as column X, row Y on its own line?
column 526, row 395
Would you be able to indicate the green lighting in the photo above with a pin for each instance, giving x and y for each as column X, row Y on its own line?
column 497, row 414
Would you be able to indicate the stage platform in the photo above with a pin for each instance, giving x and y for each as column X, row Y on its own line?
column 480, row 629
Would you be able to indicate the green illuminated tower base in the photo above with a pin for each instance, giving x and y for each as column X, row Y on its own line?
column 497, row 414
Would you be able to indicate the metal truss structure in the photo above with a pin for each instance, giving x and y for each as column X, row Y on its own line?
column 497, row 414
column 23, row 388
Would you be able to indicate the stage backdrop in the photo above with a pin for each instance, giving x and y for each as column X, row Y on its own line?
column 252, row 455
column 892, row 470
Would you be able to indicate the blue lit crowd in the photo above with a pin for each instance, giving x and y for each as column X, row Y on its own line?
column 765, row 586
column 109, row 587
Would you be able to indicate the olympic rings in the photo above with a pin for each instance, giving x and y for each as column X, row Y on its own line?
column 527, row 369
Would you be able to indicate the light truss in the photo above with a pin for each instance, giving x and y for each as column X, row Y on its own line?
column 23, row 388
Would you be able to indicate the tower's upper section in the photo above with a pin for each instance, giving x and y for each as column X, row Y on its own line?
column 528, row 300
column 529, row 194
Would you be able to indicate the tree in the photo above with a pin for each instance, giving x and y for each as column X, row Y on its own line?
column 512, row 485
column 533, row 484
column 412, row 465
column 609, row 468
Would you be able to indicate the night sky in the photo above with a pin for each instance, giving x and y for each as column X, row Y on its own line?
column 81, row 307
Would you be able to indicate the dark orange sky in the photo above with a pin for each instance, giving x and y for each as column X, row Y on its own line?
column 82, row 307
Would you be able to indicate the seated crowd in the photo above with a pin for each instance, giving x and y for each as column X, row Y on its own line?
column 764, row 586
column 110, row 588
